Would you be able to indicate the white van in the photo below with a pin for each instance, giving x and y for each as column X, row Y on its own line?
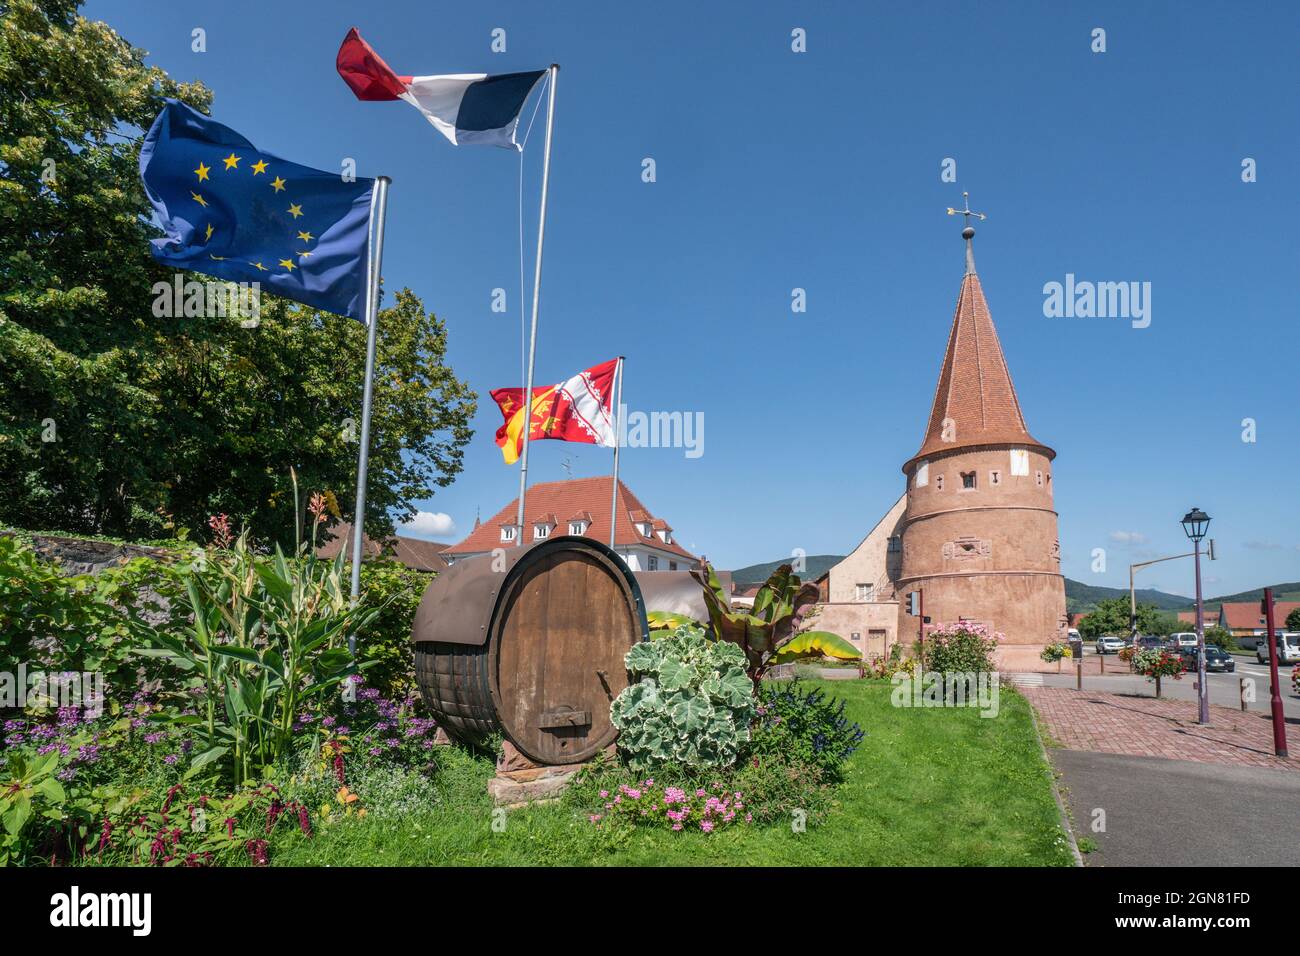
column 1288, row 648
column 1182, row 639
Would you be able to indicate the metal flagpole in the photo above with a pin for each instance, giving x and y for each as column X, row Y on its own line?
column 618, row 415
column 378, row 209
column 537, row 288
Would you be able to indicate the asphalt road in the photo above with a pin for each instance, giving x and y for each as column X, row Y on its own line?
column 1224, row 688
column 1180, row 813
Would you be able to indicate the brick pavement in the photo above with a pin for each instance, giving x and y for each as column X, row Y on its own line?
column 1146, row 727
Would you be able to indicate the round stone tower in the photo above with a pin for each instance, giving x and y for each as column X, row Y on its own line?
column 979, row 536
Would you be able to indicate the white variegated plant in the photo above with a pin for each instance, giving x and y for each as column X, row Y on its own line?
column 692, row 706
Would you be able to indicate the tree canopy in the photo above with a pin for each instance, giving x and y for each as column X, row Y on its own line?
column 114, row 421
column 1111, row 616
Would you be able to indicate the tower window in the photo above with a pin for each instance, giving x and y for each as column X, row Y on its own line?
column 938, row 482
column 895, row 544
column 968, row 479
column 1038, row 478
column 995, row 477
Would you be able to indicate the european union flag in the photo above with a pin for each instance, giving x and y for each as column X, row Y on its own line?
column 234, row 212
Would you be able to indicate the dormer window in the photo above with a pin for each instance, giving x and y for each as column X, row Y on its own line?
column 541, row 531
column 508, row 533
column 666, row 536
column 577, row 527
column 644, row 529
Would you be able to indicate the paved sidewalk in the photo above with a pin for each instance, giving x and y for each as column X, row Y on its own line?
column 1180, row 813
column 1146, row 727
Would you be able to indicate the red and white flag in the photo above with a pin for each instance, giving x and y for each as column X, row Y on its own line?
column 579, row 409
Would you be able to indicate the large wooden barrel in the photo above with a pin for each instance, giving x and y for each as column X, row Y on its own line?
column 530, row 643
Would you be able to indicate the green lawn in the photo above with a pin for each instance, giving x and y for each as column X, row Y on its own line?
column 928, row 787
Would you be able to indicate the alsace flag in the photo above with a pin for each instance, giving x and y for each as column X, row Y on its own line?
column 233, row 211
column 576, row 410
column 467, row 108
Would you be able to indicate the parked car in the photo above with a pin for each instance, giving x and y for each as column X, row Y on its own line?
column 1182, row 639
column 1110, row 644
column 1150, row 642
column 1216, row 659
column 1288, row 648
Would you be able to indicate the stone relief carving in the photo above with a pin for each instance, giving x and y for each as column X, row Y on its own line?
column 966, row 547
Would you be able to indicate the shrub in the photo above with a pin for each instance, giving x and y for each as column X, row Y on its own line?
column 962, row 648
column 808, row 728
column 882, row 668
column 692, row 706
column 385, row 645
column 1221, row 637
column 84, row 623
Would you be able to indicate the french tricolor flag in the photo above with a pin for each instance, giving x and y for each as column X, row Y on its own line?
column 467, row 108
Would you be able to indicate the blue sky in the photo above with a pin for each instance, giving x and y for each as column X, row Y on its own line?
column 821, row 171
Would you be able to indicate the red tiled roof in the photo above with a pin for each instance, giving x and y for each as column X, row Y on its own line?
column 975, row 389
column 588, row 497
column 1246, row 615
column 413, row 552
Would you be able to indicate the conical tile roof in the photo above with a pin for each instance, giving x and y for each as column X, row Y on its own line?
column 975, row 402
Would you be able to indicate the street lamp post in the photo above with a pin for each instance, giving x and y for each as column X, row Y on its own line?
column 1195, row 523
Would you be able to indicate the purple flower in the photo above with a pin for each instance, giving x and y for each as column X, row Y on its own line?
column 171, row 758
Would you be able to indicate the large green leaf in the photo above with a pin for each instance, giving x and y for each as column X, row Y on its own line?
column 668, row 621
column 691, row 712
column 815, row 644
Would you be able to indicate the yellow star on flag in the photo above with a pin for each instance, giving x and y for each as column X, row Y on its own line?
column 208, row 235
column 295, row 210
column 202, row 172
column 199, row 199
column 287, row 263
column 304, row 254
column 277, row 184
column 259, row 167
column 306, row 236
column 216, row 258
column 232, row 161
column 258, row 266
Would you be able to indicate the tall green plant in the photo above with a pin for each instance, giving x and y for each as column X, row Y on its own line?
column 268, row 634
column 769, row 632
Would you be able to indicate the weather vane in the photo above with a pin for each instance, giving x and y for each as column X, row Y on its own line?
column 969, row 232
column 965, row 197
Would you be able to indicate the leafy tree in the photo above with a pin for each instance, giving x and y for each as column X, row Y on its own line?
column 1111, row 616
column 1293, row 620
column 1220, row 637
column 115, row 422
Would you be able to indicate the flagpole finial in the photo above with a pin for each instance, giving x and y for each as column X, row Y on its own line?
column 969, row 232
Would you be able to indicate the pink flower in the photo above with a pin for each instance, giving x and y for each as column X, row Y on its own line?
column 749, row 818
column 604, row 794
column 699, row 793
column 706, row 826
column 677, row 826
column 594, row 818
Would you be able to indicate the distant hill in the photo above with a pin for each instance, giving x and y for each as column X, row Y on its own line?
column 1081, row 597
column 815, row 565
column 1281, row 592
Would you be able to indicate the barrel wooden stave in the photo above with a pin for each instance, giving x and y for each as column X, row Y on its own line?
column 551, row 656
